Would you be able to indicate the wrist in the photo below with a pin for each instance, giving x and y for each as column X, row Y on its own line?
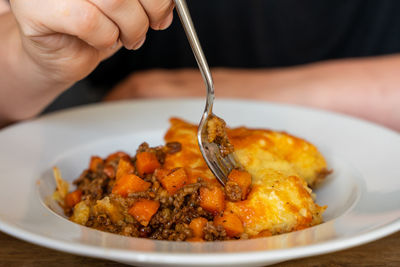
column 25, row 87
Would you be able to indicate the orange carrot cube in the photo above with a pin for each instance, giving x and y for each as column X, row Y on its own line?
column 231, row 223
column 197, row 226
column 242, row 179
column 212, row 199
column 117, row 155
column 143, row 210
column 174, row 181
column 95, row 162
column 146, row 162
column 161, row 173
column 73, row 198
column 124, row 167
column 130, row 183
column 109, row 171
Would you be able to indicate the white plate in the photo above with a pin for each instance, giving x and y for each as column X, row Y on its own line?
column 363, row 194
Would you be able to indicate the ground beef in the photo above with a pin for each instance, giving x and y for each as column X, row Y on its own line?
column 93, row 184
column 171, row 222
column 172, row 219
column 233, row 192
column 216, row 130
column 173, row 147
column 144, row 147
column 160, row 151
column 212, row 232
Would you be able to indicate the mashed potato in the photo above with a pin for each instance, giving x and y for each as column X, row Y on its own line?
column 282, row 168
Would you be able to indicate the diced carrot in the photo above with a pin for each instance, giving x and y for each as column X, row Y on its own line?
column 130, row 183
column 264, row 233
column 193, row 174
column 73, row 198
column 231, row 223
column 124, row 167
column 117, row 155
column 161, row 173
column 174, row 181
column 95, row 161
column 109, row 171
column 212, row 199
column 242, row 179
column 143, row 210
column 197, row 226
column 146, row 162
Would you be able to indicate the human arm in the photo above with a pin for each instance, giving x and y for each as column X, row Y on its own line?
column 368, row 88
column 49, row 45
column 4, row 6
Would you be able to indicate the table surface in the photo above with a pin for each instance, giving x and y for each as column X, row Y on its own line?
column 383, row 252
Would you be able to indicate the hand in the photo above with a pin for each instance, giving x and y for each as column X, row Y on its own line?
column 66, row 39
column 366, row 88
column 271, row 85
column 4, row 6
column 159, row 84
column 188, row 83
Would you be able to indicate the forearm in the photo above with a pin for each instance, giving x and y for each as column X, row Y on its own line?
column 25, row 88
column 4, row 6
column 368, row 88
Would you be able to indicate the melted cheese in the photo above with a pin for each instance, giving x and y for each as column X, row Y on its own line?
column 281, row 165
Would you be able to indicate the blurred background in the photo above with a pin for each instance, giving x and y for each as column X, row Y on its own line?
column 252, row 34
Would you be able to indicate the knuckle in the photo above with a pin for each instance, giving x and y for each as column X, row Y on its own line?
column 157, row 10
column 88, row 20
column 114, row 5
column 133, row 44
column 91, row 24
column 27, row 30
column 160, row 13
column 146, row 25
column 136, row 34
column 163, row 9
column 111, row 39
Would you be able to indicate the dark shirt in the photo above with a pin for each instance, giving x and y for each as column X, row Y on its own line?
column 264, row 34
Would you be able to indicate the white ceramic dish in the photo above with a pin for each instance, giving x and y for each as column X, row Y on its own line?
column 363, row 193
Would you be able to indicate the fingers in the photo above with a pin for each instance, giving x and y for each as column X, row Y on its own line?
column 159, row 12
column 134, row 17
column 100, row 23
column 159, row 84
column 130, row 17
column 73, row 17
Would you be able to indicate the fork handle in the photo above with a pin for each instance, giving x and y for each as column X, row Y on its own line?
column 191, row 34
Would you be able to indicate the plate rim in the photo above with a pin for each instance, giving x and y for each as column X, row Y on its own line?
column 201, row 258
column 196, row 99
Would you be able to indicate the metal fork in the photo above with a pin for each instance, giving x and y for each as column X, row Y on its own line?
column 220, row 165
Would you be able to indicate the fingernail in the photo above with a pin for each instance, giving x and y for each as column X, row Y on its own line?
column 139, row 44
column 166, row 23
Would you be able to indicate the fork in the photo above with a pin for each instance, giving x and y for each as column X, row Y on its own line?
column 220, row 164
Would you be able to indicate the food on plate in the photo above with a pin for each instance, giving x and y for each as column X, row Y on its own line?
column 168, row 192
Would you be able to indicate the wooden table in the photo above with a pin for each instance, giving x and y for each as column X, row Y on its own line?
column 383, row 252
